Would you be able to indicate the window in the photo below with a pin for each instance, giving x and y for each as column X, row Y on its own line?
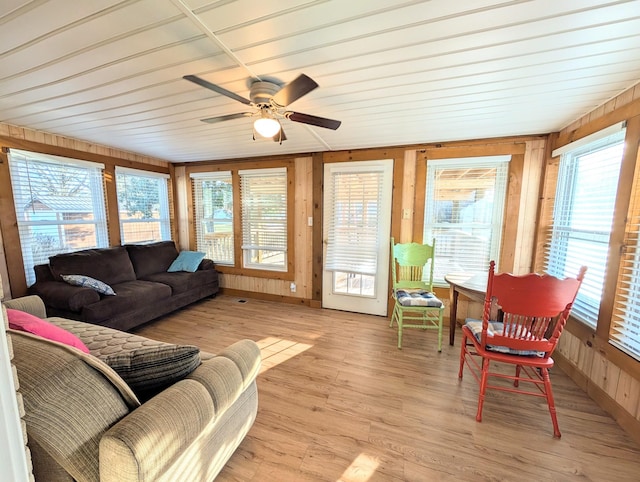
column 264, row 218
column 353, row 228
column 582, row 217
column 464, row 210
column 213, row 201
column 59, row 204
column 143, row 206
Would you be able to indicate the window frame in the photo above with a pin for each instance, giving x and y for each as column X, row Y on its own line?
column 597, row 339
column 237, row 268
column 252, row 223
column 569, row 166
column 164, row 204
column 99, row 200
column 199, row 217
column 422, row 198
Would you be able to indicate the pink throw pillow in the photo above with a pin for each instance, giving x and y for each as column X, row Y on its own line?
column 22, row 321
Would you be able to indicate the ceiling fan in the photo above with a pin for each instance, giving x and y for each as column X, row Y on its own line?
column 270, row 103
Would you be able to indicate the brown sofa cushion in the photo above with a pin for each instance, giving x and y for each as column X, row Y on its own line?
column 151, row 258
column 182, row 281
column 109, row 265
column 129, row 295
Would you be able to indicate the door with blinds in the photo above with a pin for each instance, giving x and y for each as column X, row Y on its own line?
column 356, row 234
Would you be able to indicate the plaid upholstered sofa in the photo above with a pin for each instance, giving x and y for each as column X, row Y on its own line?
column 131, row 409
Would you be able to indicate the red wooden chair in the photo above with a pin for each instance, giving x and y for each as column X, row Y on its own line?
column 522, row 320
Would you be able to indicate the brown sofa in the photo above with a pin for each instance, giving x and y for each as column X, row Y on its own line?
column 138, row 275
column 86, row 423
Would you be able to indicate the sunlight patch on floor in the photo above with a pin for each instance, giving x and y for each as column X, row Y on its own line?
column 361, row 469
column 276, row 350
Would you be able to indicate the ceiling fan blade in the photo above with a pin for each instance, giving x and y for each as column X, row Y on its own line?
column 314, row 120
column 216, row 88
column 295, row 89
column 213, row 120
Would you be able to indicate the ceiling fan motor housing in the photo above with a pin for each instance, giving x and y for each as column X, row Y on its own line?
column 262, row 92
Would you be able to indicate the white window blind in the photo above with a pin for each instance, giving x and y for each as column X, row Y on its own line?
column 464, row 212
column 352, row 237
column 59, row 204
column 213, row 202
column 143, row 206
column 582, row 218
column 264, row 218
column 625, row 323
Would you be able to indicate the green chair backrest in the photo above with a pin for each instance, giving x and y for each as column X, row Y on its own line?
column 408, row 262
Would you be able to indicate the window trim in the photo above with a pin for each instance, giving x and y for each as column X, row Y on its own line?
column 580, row 147
column 101, row 221
column 509, row 260
column 207, row 176
column 511, row 200
column 247, row 246
column 165, row 223
column 234, row 167
column 598, row 339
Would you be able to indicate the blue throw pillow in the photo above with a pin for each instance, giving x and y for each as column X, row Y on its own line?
column 88, row 282
column 186, row 261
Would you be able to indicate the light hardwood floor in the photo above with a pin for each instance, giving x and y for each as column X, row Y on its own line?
column 339, row 401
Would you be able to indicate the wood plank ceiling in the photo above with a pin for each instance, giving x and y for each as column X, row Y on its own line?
column 394, row 72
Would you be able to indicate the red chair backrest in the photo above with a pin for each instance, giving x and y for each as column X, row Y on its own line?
column 529, row 305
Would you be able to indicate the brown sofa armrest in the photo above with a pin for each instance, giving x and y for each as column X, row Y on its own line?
column 63, row 296
column 206, row 264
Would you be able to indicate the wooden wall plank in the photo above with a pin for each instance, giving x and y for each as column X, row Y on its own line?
column 420, row 197
column 71, row 150
column 408, row 198
column 512, row 210
column 628, row 393
column 303, row 233
column 625, row 109
column 317, row 187
column 487, row 149
column 111, row 200
column 548, row 180
column 529, row 195
column 10, row 236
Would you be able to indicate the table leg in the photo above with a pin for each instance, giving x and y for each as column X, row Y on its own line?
column 453, row 313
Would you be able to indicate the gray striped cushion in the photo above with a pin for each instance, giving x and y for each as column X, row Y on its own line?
column 148, row 366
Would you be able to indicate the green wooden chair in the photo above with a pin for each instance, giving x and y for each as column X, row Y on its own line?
column 412, row 283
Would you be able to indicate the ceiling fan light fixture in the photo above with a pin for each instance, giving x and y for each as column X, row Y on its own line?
column 266, row 126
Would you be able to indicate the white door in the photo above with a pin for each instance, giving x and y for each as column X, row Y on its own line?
column 356, row 235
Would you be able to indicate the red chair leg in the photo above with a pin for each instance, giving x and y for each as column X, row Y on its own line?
column 463, row 353
column 483, row 387
column 550, row 402
column 516, row 382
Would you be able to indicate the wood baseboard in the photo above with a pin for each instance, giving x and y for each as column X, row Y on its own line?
column 268, row 297
column 627, row 421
